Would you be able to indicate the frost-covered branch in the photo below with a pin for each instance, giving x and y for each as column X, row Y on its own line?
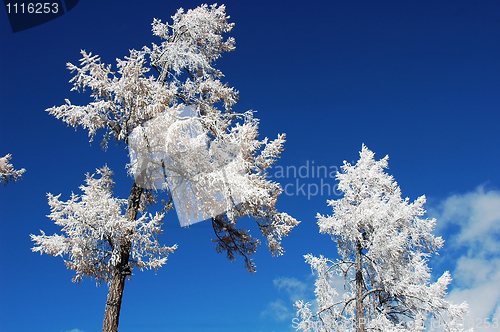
column 95, row 229
column 7, row 171
column 234, row 241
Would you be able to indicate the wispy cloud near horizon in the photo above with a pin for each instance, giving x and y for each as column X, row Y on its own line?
column 280, row 309
column 477, row 215
column 293, row 287
column 472, row 221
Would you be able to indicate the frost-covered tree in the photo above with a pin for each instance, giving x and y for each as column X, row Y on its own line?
column 129, row 104
column 100, row 240
column 383, row 243
column 7, row 171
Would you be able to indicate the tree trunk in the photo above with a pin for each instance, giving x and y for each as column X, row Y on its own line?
column 122, row 269
column 360, row 317
column 114, row 302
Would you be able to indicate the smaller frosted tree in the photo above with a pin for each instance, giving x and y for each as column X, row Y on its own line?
column 97, row 230
column 7, row 171
column 383, row 244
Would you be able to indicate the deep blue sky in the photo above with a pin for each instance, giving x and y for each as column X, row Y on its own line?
column 418, row 80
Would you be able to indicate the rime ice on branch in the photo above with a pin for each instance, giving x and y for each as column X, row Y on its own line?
column 95, row 229
column 384, row 243
column 7, row 171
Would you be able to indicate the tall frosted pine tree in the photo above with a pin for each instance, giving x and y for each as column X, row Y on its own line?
column 383, row 244
column 213, row 145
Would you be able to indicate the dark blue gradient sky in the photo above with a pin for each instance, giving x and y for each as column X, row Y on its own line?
column 418, row 80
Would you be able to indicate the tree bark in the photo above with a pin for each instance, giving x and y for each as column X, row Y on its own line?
column 122, row 269
column 360, row 317
column 114, row 302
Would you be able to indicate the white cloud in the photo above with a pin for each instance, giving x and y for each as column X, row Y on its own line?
column 474, row 220
column 75, row 330
column 295, row 288
column 278, row 310
column 477, row 214
column 478, row 283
